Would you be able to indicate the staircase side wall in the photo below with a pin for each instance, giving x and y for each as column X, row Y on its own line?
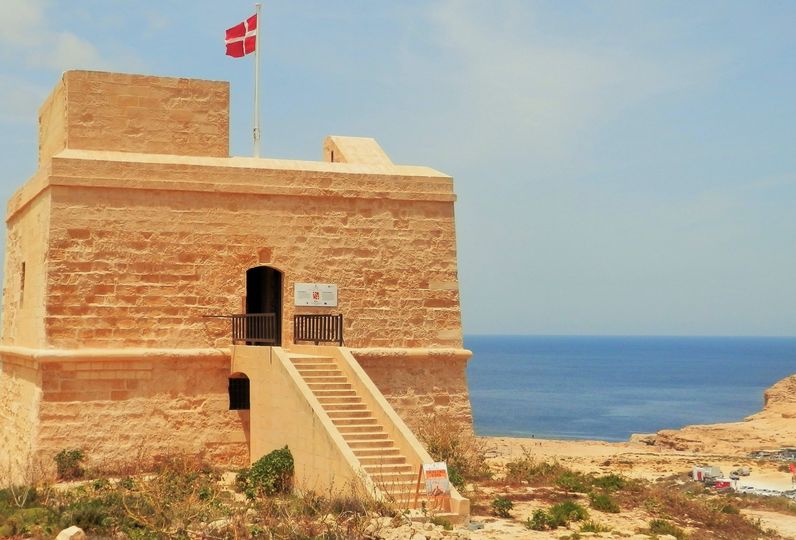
column 283, row 414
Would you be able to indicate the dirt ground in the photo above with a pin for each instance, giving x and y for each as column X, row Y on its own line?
column 630, row 459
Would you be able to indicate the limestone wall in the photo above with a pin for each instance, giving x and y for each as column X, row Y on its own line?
column 139, row 267
column 135, row 113
column 24, row 279
column 123, row 409
column 52, row 124
column 418, row 383
column 20, row 394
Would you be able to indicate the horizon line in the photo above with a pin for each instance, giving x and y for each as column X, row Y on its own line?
column 729, row 336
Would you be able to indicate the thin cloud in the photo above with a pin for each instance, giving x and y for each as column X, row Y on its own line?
column 507, row 80
column 31, row 39
column 19, row 100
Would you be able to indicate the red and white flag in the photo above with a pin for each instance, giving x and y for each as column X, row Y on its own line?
column 242, row 38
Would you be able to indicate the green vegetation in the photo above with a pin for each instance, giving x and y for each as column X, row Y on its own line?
column 182, row 498
column 69, row 464
column 609, row 482
column 442, row 522
column 574, row 482
column 539, row 521
column 501, row 507
column 271, row 474
column 661, row 526
column 668, row 501
column 604, row 503
column 558, row 515
column 530, row 471
column 594, row 527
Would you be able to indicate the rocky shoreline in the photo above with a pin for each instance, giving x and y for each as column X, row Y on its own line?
column 772, row 428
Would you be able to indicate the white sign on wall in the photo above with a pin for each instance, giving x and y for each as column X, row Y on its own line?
column 315, row 294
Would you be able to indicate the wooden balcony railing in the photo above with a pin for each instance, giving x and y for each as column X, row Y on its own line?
column 318, row 328
column 255, row 328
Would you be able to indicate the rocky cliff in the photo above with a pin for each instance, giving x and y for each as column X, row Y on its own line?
column 772, row 428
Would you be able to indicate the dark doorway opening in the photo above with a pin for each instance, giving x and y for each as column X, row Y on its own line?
column 239, row 392
column 264, row 296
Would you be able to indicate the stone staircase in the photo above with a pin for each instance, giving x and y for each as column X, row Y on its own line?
column 378, row 455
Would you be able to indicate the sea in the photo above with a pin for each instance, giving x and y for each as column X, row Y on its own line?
column 607, row 388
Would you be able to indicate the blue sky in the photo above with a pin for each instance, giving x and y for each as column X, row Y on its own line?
column 622, row 167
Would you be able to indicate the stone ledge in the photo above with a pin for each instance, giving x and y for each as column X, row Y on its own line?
column 265, row 177
column 385, row 353
column 55, row 355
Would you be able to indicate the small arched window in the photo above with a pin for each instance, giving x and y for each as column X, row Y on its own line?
column 238, row 392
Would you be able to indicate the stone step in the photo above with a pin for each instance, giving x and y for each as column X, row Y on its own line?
column 401, row 485
column 325, row 379
column 298, row 359
column 404, row 489
column 330, row 371
column 349, row 414
column 390, row 468
column 397, row 473
column 315, row 367
column 315, row 386
column 355, row 422
column 383, row 475
column 344, row 406
column 406, row 494
column 381, row 460
column 368, row 444
column 340, row 399
column 375, row 451
column 368, row 429
column 335, row 393
column 365, row 436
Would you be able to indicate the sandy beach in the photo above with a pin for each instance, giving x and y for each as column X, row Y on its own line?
column 667, row 456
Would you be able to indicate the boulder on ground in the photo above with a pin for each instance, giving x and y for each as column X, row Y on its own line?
column 72, row 533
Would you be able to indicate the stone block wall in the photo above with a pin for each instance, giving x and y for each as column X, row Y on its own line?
column 139, row 267
column 25, row 276
column 123, row 409
column 20, row 395
column 93, row 110
column 419, row 383
column 52, row 124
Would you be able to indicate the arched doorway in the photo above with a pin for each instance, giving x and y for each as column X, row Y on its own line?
column 264, row 297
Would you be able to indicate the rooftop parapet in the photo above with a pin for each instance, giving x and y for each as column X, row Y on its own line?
column 92, row 110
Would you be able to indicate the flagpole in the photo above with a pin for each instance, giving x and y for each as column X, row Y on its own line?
column 256, row 129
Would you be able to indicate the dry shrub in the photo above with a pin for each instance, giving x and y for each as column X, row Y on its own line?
column 446, row 439
column 528, row 470
column 181, row 494
column 139, row 462
column 181, row 497
column 678, row 504
column 348, row 515
column 777, row 504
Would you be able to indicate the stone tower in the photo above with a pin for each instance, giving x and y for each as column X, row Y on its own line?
column 138, row 234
